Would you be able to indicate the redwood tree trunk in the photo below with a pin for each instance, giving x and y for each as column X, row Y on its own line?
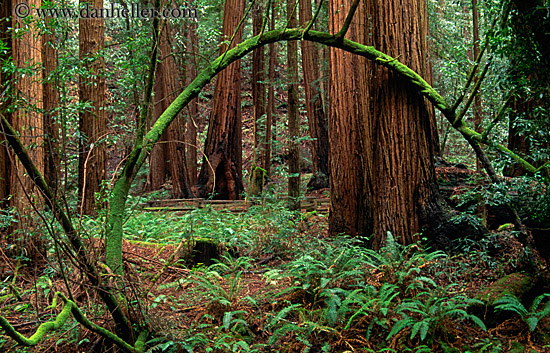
column 181, row 187
column 92, row 158
column 266, row 156
column 404, row 193
column 28, row 121
column 169, row 157
column 159, row 154
column 51, row 126
column 316, row 116
column 192, row 108
column 258, row 86
column 5, row 12
column 293, row 114
column 221, row 173
column 349, row 209
column 392, row 144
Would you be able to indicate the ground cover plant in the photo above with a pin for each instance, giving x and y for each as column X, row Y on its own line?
column 276, row 289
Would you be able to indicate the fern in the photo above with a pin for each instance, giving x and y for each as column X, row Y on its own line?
column 400, row 264
column 532, row 316
column 429, row 311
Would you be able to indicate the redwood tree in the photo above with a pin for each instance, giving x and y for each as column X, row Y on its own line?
column 383, row 148
column 316, row 117
column 5, row 12
column 293, row 114
column 192, row 108
column 266, row 155
column 258, row 86
column 92, row 157
column 51, row 95
column 169, row 157
column 27, row 52
column 176, row 157
column 221, row 171
column 349, row 208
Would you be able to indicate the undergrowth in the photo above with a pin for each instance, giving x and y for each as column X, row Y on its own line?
column 281, row 285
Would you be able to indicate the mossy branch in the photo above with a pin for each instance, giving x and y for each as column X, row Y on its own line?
column 76, row 242
column 310, row 24
column 159, row 127
column 347, row 22
column 68, row 308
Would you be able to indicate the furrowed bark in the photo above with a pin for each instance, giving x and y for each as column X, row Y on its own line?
column 293, row 114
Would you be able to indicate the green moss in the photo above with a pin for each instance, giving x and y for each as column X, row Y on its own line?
column 68, row 308
column 517, row 347
column 256, row 181
column 516, row 284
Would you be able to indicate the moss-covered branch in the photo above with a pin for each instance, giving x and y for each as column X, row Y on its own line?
column 140, row 152
column 119, row 195
column 347, row 22
column 121, row 322
column 68, row 308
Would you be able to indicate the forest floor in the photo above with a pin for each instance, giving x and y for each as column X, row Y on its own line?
column 283, row 285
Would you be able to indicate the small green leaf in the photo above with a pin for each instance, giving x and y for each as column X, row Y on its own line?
column 324, row 282
column 227, row 316
column 532, row 321
column 479, row 322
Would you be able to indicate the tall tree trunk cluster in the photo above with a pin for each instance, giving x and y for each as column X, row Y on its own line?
column 169, row 156
column 381, row 132
column 221, row 172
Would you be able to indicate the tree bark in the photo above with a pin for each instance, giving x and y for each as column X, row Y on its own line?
column 293, row 114
column 266, row 156
column 349, row 208
column 181, row 187
column 316, row 117
column 221, row 172
column 258, row 87
column 192, row 109
column 51, row 95
column 401, row 182
column 159, row 154
column 5, row 78
column 391, row 176
column 92, row 158
column 28, row 120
